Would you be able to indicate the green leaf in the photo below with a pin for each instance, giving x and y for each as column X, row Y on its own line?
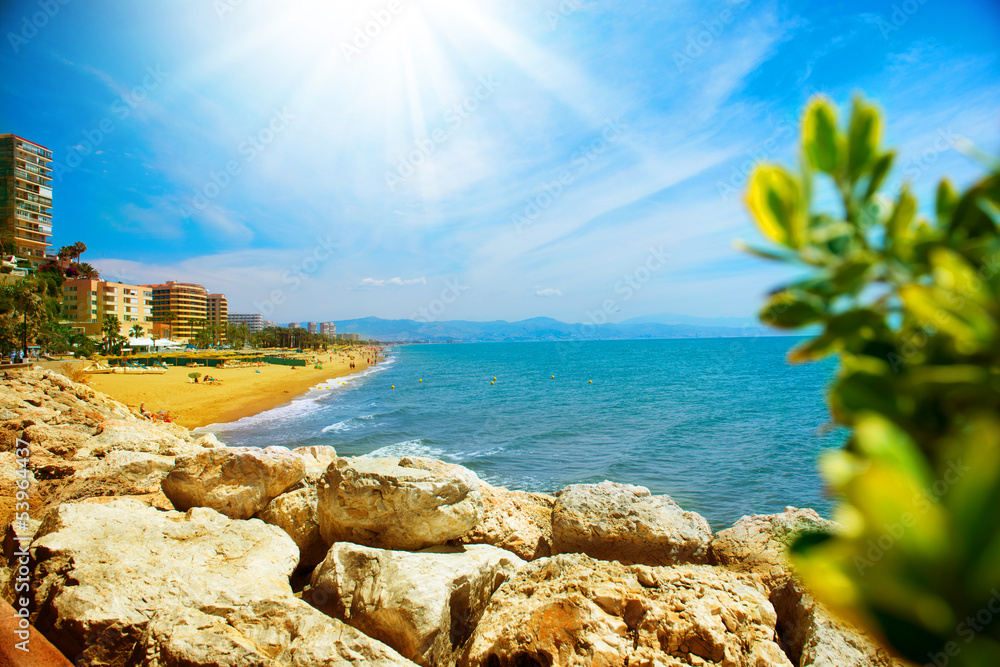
column 879, row 172
column 850, row 276
column 774, row 198
column 863, row 138
column 812, row 350
column 966, row 322
column 902, row 216
column 947, row 200
column 786, row 310
column 764, row 253
column 819, row 135
column 953, row 273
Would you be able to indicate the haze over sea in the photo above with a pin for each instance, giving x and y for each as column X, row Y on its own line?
column 725, row 426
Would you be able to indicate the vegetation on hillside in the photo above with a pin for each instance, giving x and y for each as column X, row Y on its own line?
column 911, row 305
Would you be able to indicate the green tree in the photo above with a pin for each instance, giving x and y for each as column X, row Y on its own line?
column 169, row 318
column 113, row 339
column 910, row 302
column 137, row 331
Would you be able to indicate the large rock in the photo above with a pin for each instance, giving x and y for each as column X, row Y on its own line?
column 407, row 503
column 236, row 481
column 270, row 632
column 574, row 610
column 138, row 435
column 295, row 513
column 130, row 472
column 517, row 521
column 125, row 584
column 423, row 604
column 317, row 458
column 810, row 634
column 626, row 523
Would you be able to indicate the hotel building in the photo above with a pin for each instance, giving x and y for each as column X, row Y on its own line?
column 218, row 314
column 188, row 301
column 254, row 321
column 328, row 328
column 25, row 198
column 87, row 302
column 313, row 328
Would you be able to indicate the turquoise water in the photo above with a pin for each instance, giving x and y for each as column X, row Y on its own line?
column 725, row 426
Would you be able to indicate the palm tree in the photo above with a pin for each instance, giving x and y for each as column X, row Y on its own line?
column 78, row 249
column 137, row 331
column 169, row 318
column 85, row 270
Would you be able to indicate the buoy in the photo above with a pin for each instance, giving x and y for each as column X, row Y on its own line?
column 553, row 377
column 491, row 382
column 421, row 379
column 590, row 381
column 393, row 386
column 494, row 379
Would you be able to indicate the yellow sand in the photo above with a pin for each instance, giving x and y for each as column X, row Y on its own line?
column 243, row 391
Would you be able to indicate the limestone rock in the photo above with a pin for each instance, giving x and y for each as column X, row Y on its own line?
column 138, row 435
column 408, row 503
column 758, row 543
column 272, row 632
column 423, row 604
column 517, row 521
column 122, row 583
column 130, row 472
column 295, row 513
column 317, row 458
column 573, row 610
column 626, row 523
column 237, row 481
column 808, row 632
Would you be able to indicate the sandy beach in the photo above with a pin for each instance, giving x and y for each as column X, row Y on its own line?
column 243, row 391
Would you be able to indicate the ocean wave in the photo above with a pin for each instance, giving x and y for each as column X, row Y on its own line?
column 478, row 454
column 406, row 448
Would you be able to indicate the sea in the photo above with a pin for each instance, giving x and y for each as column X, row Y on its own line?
column 727, row 427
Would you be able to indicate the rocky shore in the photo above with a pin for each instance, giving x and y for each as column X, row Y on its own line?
column 153, row 548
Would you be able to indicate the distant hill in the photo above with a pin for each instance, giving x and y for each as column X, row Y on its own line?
column 535, row 329
column 671, row 318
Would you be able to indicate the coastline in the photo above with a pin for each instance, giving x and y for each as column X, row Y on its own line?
column 243, row 392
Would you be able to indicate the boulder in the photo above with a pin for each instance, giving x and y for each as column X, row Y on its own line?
column 574, row 610
column 123, row 583
column 423, row 604
column 317, row 458
column 130, row 472
column 408, row 503
column 236, row 481
column 295, row 513
column 271, row 632
column 626, row 523
column 62, row 440
column 517, row 521
column 809, row 633
column 139, row 435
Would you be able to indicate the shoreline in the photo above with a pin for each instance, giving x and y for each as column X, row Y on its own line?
column 244, row 391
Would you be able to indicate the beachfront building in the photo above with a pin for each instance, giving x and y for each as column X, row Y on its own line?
column 294, row 325
column 218, row 314
column 347, row 336
column 313, row 328
column 86, row 302
column 328, row 329
column 187, row 301
column 254, row 321
column 25, row 199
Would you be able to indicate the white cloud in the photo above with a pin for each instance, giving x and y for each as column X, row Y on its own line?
column 372, row 282
column 548, row 292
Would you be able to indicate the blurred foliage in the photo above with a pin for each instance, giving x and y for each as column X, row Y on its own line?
column 911, row 305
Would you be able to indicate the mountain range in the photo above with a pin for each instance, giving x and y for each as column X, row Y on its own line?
column 546, row 329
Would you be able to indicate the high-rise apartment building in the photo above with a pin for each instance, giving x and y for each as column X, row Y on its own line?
column 255, row 321
column 218, row 314
column 25, row 198
column 187, row 301
column 313, row 328
column 294, row 325
column 87, row 302
column 328, row 328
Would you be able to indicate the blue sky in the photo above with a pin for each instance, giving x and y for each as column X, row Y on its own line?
column 493, row 161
